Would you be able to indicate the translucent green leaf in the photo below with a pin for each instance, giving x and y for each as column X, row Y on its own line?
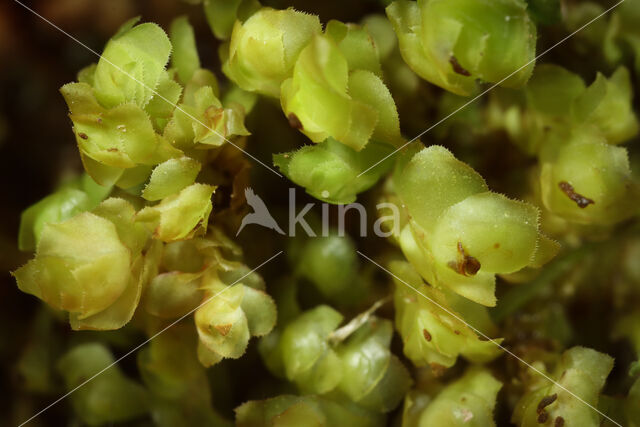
column 56, row 207
column 582, row 371
column 459, row 234
column 289, row 411
column 81, row 266
column 356, row 44
column 464, row 278
column 433, row 180
column 368, row 88
column 122, row 214
column 607, row 103
column 180, row 216
column 329, row 170
column 231, row 315
column 185, row 54
column 308, row 359
column 602, row 193
column 131, row 65
column 183, row 256
column 171, row 177
column 217, row 122
column 330, row 263
column 222, row 14
column 553, row 89
column 121, row 137
column 121, row 311
column 467, row 401
column 260, row 311
column 382, row 33
column 222, row 324
column 173, row 294
column 200, row 79
column 204, row 121
column 431, row 330
column 373, row 377
column 454, row 43
column 235, row 95
column 316, row 99
column 501, row 234
column 264, row 48
column 162, row 104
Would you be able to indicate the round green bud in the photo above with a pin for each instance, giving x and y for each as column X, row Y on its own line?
column 373, row 377
column 264, row 48
column 80, row 265
column 589, row 182
column 330, row 263
column 308, row 358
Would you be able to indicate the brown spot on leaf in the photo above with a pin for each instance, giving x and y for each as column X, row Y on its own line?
column 83, row 135
column 224, row 329
column 457, row 332
column 465, row 264
column 546, row 401
column 438, row 369
column 457, row 67
column 213, row 115
column 427, row 335
column 580, row 200
column 294, row 121
column 112, row 150
column 543, row 417
column 496, row 245
column 559, row 422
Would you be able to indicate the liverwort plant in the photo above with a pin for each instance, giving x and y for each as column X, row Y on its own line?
column 95, row 259
column 463, row 316
column 466, row 233
column 454, row 44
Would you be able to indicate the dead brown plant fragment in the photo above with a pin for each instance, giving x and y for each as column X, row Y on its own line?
column 465, row 264
column 580, row 200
